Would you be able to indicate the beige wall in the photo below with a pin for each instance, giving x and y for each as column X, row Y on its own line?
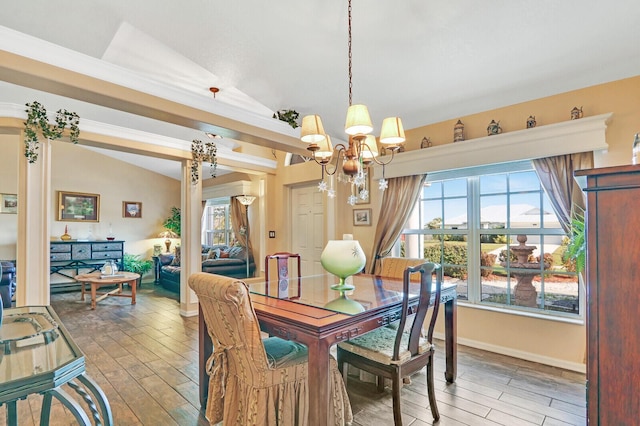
column 77, row 169
column 620, row 97
column 9, row 151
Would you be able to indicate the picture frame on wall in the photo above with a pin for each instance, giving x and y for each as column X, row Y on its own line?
column 78, row 207
column 361, row 217
column 132, row 209
column 9, row 203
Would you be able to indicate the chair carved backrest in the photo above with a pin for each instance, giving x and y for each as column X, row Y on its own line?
column 282, row 263
column 426, row 293
column 394, row 267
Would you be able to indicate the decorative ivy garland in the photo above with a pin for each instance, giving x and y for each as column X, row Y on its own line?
column 37, row 120
column 289, row 116
column 203, row 152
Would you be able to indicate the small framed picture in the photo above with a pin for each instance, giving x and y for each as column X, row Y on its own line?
column 78, row 207
column 132, row 209
column 361, row 217
column 9, row 203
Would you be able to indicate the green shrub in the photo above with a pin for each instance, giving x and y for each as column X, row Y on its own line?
column 453, row 254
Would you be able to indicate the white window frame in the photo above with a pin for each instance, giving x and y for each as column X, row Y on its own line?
column 473, row 231
column 212, row 203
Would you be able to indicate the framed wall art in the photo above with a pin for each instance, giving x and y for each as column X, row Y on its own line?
column 361, row 217
column 78, row 207
column 9, row 203
column 132, row 209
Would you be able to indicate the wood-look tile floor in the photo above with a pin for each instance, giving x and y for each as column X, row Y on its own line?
column 145, row 358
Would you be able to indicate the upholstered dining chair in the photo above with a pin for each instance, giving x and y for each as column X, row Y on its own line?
column 254, row 381
column 398, row 352
column 282, row 263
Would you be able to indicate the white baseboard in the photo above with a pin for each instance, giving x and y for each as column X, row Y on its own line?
column 554, row 362
column 189, row 313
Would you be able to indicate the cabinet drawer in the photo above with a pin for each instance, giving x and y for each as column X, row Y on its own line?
column 97, row 255
column 56, row 257
column 81, row 251
column 60, row 248
column 106, row 246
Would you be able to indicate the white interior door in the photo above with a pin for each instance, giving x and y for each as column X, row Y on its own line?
column 307, row 216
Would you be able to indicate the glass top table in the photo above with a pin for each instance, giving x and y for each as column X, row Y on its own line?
column 38, row 355
column 301, row 311
column 371, row 292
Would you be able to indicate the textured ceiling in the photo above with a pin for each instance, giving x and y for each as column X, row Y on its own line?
column 423, row 60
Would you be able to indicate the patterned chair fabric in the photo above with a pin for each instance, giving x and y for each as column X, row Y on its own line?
column 398, row 352
column 255, row 381
column 394, row 267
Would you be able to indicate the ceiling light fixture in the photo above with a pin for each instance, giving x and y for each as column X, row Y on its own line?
column 362, row 151
column 214, row 90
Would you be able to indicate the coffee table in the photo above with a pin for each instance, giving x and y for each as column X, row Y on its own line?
column 96, row 280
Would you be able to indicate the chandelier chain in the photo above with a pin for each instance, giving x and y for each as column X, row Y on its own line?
column 350, row 72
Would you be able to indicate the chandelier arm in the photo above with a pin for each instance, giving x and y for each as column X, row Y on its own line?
column 340, row 148
column 384, row 163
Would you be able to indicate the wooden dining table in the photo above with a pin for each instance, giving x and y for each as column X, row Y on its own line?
column 303, row 317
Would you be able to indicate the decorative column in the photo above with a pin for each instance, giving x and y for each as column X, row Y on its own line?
column 191, row 258
column 34, row 214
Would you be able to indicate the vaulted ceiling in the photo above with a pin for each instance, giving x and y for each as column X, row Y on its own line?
column 423, row 60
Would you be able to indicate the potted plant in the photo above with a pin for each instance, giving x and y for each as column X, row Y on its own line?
column 172, row 223
column 137, row 265
column 577, row 247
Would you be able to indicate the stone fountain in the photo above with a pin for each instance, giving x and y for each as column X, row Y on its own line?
column 525, row 292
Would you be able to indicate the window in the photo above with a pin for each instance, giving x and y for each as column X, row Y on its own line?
column 497, row 236
column 216, row 222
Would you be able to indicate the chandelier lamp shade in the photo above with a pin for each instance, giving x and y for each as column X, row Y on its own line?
column 362, row 149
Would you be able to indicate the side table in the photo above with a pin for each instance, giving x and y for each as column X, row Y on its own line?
column 39, row 356
column 156, row 269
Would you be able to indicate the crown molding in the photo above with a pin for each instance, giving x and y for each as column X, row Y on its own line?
column 567, row 137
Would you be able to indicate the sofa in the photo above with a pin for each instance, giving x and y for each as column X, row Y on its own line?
column 220, row 259
column 7, row 282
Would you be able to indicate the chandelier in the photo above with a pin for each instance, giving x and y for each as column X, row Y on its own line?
column 362, row 149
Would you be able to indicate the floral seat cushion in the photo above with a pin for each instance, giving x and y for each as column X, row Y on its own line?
column 377, row 345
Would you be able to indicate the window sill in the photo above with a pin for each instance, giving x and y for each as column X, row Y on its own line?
column 510, row 311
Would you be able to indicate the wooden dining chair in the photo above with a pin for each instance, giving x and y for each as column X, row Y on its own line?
column 398, row 352
column 282, row 263
column 255, row 381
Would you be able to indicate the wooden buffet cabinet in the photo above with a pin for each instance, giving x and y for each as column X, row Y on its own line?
column 69, row 258
column 613, row 294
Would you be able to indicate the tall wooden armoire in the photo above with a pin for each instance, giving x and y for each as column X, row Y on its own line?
column 613, row 294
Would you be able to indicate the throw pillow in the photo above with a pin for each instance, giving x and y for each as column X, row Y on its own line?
column 224, row 254
column 213, row 254
column 176, row 258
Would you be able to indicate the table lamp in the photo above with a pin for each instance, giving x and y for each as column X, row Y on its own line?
column 167, row 234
